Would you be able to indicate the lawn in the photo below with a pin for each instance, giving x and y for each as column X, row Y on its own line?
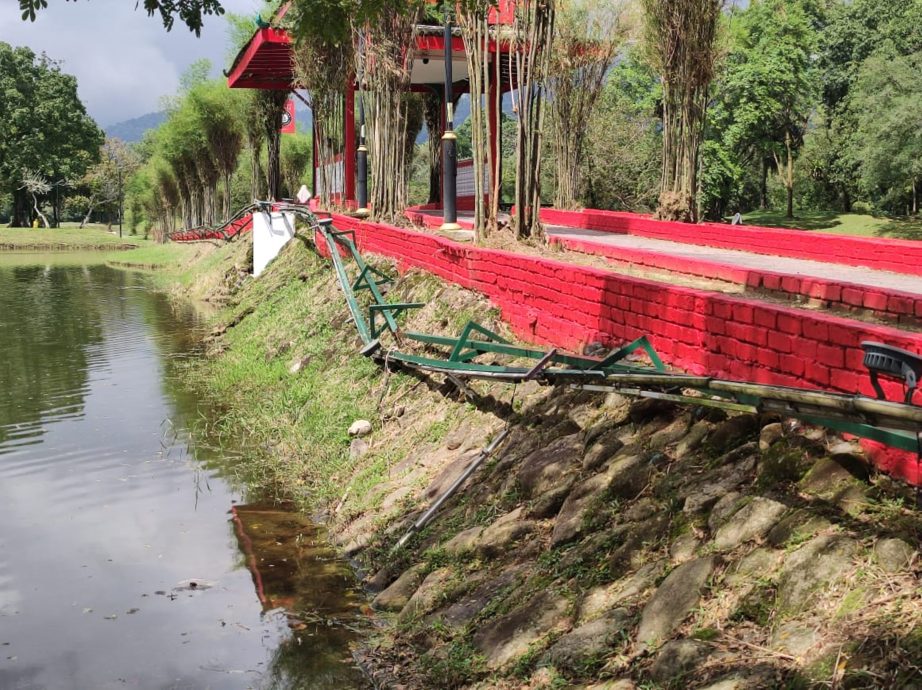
column 65, row 238
column 840, row 223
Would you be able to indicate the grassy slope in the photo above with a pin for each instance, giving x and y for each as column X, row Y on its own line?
column 840, row 223
column 64, row 239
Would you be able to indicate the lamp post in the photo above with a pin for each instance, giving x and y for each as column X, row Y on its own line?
column 361, row 186
column 449, row 141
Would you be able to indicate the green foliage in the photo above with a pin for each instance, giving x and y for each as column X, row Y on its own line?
column 296, row 161
column 765, row 97
column 44, row 127
column 624, row 149
column 888, row 149
column 190, row 12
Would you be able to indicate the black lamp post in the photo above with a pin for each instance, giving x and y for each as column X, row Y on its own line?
column 361, row 186
column 449, row 141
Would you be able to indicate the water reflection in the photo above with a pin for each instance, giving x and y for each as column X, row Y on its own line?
column 109, row 515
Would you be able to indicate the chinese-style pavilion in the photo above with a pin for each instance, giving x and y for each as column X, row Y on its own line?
column 266, row 63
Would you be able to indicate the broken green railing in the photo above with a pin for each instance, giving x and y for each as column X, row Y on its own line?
column 895, row 424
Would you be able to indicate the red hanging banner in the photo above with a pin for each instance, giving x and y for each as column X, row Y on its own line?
column 288, row 118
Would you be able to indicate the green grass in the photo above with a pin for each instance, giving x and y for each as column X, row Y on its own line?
column 861, row 225
column 170, row 255
column 66, row 238
column 293, row 426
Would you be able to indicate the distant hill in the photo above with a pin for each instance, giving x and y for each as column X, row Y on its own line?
column 133, row 130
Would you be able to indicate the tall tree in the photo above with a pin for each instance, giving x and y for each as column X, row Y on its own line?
column 885, row 101
column 106, row 180
column 681, row 43
column 44, row 127
column 767, row 91
column 589, row 33
column 533, row 32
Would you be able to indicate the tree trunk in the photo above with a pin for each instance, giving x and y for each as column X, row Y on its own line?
column 789, row 180
column 915, row 197
column 432, row 113
column 86, row 218
column 763, row 186
column 20, row 217
column 39, row 213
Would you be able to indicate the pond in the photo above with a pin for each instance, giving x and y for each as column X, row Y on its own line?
column 129, row 557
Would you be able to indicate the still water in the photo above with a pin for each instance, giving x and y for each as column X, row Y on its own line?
column 128, row 559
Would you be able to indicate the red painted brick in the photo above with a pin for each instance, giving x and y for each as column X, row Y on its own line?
column 743, row 313
column 789, row 323
column 816, row 330
column 901, row 304
column 791, row 284
column 853, row 296
column 780, row 342
column 792, row 364
column 841, row 334
column 830, row 356
column 765, row 317
column 876, row 301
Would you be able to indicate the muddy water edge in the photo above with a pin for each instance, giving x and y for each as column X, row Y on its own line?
column 130, row 556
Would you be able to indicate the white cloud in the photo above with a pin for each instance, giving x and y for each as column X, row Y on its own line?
column 124, row 61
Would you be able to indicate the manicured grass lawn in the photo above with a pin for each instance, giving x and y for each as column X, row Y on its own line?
column 841, row 223
column 29, row 239
column 154, row 255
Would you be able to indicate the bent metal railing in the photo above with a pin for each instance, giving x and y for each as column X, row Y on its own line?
column 896, row 424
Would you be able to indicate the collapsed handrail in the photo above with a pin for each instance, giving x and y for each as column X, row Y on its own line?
column 897, row 424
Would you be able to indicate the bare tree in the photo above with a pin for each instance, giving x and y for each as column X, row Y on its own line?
column 681, row 44
column 533, row 40
column 589, row 34
column 35, row 185
column 324, row 67
column 106, row 180
column 483, row 66
column 387, row 59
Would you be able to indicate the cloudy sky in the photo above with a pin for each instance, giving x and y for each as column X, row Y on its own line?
column 124, row 60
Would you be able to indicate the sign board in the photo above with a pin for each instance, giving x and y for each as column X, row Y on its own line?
column 271, row 232
column 288, row 118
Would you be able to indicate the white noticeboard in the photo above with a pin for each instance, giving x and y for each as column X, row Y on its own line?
column 271, row 232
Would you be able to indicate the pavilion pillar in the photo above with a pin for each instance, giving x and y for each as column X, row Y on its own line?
column 349, row 153
column 449, row 140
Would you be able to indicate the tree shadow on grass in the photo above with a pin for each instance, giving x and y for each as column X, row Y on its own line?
column 808, row 220
column 902, row 229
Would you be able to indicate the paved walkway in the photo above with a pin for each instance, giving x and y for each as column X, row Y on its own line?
column 745, row 260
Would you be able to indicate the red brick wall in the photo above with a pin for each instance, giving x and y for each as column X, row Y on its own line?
column 565, row 305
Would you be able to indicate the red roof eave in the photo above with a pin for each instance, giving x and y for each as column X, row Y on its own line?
column 264, row 62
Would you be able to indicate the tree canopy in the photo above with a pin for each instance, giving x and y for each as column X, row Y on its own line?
column 190, row 12
column 45, row 128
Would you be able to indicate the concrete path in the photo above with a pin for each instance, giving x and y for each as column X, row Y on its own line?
column 759, row 262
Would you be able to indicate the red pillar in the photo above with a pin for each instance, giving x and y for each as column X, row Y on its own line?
column 349, row 154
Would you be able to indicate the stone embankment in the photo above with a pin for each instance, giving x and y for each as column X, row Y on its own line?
column 614, row 544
